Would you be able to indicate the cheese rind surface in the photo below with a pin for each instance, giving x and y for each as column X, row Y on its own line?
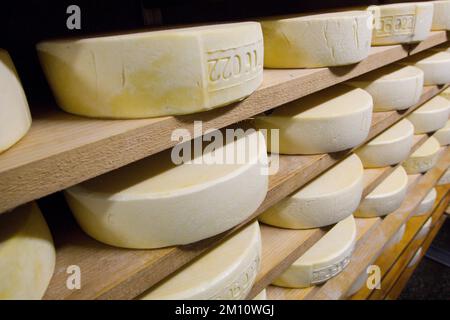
column 435, row 66
column 332, row 120
column 153, row 203
column 389, row 148
column 443, row 134
column 318, row 40
column 328, row 199
column 427, row 203
column 445, row 179
column 227, row 272
column 15, row 118
column 431, row 116
column 424, row 158
column 425, row 229
column 261, row 296
column 27, row 254
column 157, row 73
column 441, row 15
column 415, row 258
column 324, row 260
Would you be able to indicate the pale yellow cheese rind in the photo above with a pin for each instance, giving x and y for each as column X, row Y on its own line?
column 424, row 158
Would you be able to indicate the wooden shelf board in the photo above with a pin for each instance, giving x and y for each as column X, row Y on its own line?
column 436, row 38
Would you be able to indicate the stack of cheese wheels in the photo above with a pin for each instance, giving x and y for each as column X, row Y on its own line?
column 389, row 148
column 27, row 254
column 401, row 22
column 445, row 179
column 156, row 73
column 431, row 116
column 293, row 41
column 332, row 120
column 153, row 203
column 425, row 229
column 324, row 260
column 427, row 203
column 443, row 134
column 393, row 87
column 261, row 296
column 15, row 118
column 387, row 196
column 435, row 66
column 227, row 272
column 328, row 199
column 441, row 15
column 415, row 258
column 424, row 158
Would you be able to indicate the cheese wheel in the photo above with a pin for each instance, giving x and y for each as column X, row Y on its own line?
column 387, row 196
column 324, row 260
column 389, row 148
column 261, row 296
column 317, row 40
column 332, row 120
column 401, row 22
column 424, row 158
column 357, row 285
column 227, row 272
column 328, row 199
column 15, row 118
column 443, row 134
column 445, row 94
column 431, row 116
column 435, row 66
column 392, row 87
column 427, row 203
column 398, row 236
column 27, row 254
column 445, row 179
column 415, row 258
column 153, row 203
column 425, row 229
column 441, row 15
column 156, row 73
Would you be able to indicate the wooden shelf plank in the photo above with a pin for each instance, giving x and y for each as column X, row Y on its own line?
column 433, row 40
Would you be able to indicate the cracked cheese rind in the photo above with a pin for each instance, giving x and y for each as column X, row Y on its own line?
column 401, row 22
column 227, row 272
column 424, row 158
column 27, row 254
column 326, row 200
column 318, row 40
column 441, row 15
column 15, row 118
column 443, row 134
column 387, row 196
column 332, row 120
column 156, row 73
column 435, row 66
column 392, row 87
column 427, row 203
column 431, row 116
column 153, row 203
column 324, row 260
column 390, row 147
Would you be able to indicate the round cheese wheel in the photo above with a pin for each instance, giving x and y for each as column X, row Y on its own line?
column 324, row 260
column 427, row 203
column 390, row 147
column 15, row 118
column 387, row 196
column 398, row 236
column 443, row 134
column 328, row 199
column 392, row 87
column 27, row 254
column 227, row 272
column 261, row 296
column 155, row 73
column 415, row 258
column 332, row 120
column 424, row 158
column 445, row 179
column 425, row 229
column 441, row 15
column 316, row 40
column 435, row 66
column 431, row 116
column 401, row 22
column 153, row 203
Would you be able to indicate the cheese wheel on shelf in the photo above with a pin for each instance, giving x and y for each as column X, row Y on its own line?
column 431, row 116
column 415, row 258
column 324, row 260
column 261, row 296
column 425, row 229
column 155, row 73
column 27, row 254
column 316, row 40
column 443, row 134
column 386, row 197
column 153, row 203
column 427, row 203
column 15, row 118
column 331, row 120
column 398, row 236
column 445, row 179
column 435, row 66
column 424, row 158
column 445, row 94
column 328, row 199
column 441, row 15
column 390, row 147
column 401, row 22
column 392, row 87
column 227, row 272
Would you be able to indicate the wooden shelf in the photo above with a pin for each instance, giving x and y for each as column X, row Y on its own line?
column 61, row 150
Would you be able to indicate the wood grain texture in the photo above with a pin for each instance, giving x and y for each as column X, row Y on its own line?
column 435, row 38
